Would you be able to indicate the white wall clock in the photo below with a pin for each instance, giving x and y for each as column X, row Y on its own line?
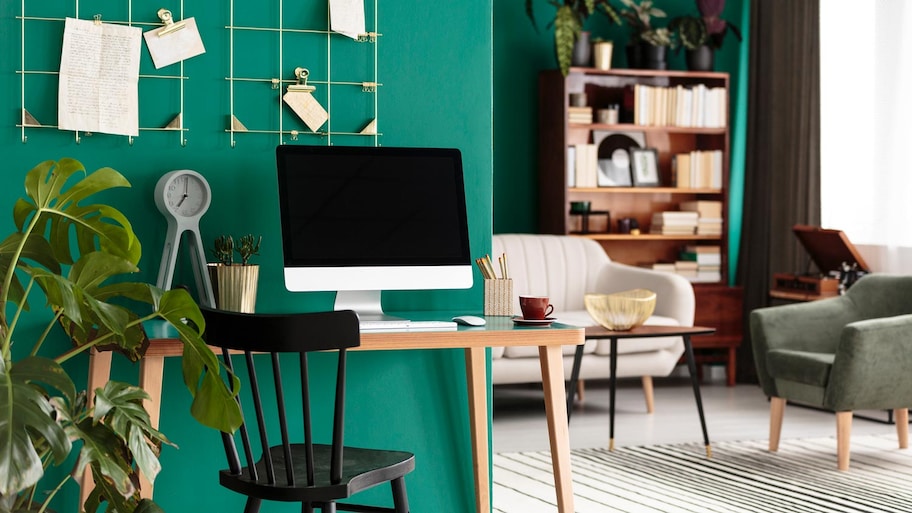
column 183, row 196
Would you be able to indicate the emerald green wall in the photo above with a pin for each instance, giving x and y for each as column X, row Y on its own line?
column 520, row 53
column 435, row 67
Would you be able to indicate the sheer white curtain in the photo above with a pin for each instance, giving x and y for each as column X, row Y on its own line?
column 866, row 127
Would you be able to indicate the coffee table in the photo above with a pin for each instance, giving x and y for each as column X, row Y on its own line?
column 598, row 332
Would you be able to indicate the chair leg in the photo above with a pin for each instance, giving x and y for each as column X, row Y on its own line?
column 843, row 438
column 580, row 390
column 901, row 416
column 777, row 411
column 400, row 497
column 307, row 507
column 253, row 505
column 648, row 393
column 328, row 507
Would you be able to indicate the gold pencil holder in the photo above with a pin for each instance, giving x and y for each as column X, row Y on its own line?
column 498, row 297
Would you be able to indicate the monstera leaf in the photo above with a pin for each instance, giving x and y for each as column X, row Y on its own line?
column 77, row 253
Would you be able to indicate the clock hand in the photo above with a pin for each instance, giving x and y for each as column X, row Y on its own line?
column 186, row 191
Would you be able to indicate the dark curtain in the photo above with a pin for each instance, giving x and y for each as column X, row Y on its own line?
column 782, row 171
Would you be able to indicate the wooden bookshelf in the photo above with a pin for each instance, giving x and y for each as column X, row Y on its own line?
column 557, row 134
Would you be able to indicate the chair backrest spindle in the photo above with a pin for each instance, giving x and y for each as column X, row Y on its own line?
column 283, row 420
column 305, row 413
column 338, row 421
column 260, row 418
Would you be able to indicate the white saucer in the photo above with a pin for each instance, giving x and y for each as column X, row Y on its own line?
column 533, row 322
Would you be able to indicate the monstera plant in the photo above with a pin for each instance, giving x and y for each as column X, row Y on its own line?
column 74, row 256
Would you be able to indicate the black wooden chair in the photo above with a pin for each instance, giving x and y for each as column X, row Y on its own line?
column 313, row 474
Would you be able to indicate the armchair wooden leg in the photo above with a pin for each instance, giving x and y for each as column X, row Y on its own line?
column 901, row 416
column 843, row 438
column 777, row 410
column 580, row 390
column 648, row 393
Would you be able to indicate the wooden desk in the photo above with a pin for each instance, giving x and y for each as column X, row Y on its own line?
column 499, row 331
column 685, row 332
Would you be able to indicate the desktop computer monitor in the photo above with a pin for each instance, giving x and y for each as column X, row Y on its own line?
column 358, row 220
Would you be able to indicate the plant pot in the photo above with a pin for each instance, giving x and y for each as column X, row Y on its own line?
column 582, row 50
column 700, row 59
column 633, row 56
column 602, row 51
column 234, row 286
column 653, row 57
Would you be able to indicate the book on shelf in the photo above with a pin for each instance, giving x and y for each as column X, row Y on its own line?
column 699, row 169
column 586, row 159
column 702, row 259
column 660, row 266
column 707, row 209
column 675, row 217
column 695, row 105
column 581, row 115
column 571, row 166
column 709, row 248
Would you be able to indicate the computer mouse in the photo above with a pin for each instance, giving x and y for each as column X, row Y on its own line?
column 469, row 320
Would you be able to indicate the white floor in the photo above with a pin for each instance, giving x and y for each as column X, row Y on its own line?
column 732, row 413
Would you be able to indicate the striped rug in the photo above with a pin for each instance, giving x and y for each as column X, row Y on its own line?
column 740, row 477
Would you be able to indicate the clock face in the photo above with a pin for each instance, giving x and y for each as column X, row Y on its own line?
column 184, row 194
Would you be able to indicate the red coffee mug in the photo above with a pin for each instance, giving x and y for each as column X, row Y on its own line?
column 535, row 308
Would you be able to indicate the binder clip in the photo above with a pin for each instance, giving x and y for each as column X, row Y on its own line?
column 301, row 87
column 170, row 25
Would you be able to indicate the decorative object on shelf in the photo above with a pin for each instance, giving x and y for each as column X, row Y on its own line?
column 582, row 50
column 602, row 52
column 301, row 100
column 45, row 416
column 621, row 311
column 183, row 196
column 614, row 156
column 568, row 25
column 580, row 207
column 644, row 167
column 702, row 35
column 609, row 115
column 235, row 285
column 647, row 45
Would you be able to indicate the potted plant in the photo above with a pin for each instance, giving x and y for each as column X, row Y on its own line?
column 78, row 253
column 647, row 45
column 568, row 28
column 702, row 35
column 235, row 285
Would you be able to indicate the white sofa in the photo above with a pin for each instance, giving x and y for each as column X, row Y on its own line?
column 564, row 268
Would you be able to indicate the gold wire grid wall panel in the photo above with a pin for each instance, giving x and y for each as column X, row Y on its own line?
column 40, row 16
column 271, row 43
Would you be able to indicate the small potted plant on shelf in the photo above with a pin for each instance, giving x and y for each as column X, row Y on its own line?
column 75, row 253
column 571, row 43
column 235, row 285
column 702, row 35
column 647, row 45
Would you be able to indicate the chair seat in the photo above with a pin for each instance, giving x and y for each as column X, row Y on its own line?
column 363, row 468
column 800, row 366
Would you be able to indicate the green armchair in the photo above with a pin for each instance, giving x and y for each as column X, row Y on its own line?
column 842, row 354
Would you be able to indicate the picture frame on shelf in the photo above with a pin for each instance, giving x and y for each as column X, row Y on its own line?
column 644, row 167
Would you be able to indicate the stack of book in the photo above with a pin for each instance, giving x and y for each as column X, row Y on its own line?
column 705, row 263
column 698, row 169
column 674, row 223
column 710, row 215
column 582, row 115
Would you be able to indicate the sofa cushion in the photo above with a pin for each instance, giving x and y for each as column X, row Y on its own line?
column 800, row 366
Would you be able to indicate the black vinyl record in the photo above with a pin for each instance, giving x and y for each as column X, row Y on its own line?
column 614, row 160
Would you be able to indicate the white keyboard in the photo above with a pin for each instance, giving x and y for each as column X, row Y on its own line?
column 403, row 324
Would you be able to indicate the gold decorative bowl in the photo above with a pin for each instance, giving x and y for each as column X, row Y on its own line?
column 621, row 311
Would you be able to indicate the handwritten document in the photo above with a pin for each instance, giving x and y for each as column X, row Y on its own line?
column 347, row 17
column 99, row 78
column 176, row 46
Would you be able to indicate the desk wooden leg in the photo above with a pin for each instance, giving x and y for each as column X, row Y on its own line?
column 552, row 368
column 99, row 374
column 151, row 372
column 476, row 378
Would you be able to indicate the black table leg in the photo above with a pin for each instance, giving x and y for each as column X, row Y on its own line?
column 574, row 378
column 614, row 365
column 692, row 367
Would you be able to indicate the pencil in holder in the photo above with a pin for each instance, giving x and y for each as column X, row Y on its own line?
column 498, row 297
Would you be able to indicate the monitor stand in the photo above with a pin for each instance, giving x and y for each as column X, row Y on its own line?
column 366, row 303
